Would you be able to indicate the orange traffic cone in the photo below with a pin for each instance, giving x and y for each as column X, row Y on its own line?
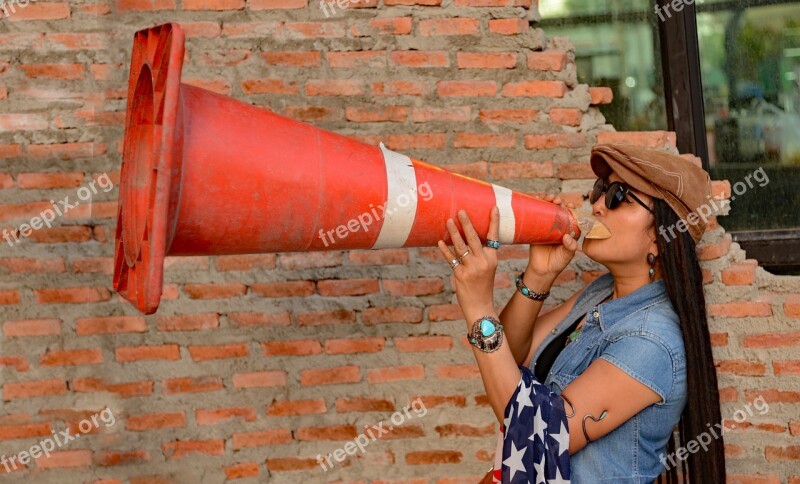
column 205, row 174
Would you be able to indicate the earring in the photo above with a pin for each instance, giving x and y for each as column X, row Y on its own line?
column 651, row 259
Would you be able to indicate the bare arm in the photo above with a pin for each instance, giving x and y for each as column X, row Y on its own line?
column 520, row 314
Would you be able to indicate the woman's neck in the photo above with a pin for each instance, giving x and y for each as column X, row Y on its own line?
column 624, row 285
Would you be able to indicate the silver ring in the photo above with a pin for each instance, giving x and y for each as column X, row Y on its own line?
column 468, row 252
column 454, row 263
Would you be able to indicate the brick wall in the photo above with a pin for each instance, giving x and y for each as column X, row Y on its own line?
column 255, row 364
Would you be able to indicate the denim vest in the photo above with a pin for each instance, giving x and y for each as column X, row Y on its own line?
column 640, row 334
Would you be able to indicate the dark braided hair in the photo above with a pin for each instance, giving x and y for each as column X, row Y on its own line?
column 684, row 283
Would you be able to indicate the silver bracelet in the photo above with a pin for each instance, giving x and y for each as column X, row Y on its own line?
column 536, row 296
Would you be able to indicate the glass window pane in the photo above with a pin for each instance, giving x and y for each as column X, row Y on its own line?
column 617, row 46
column 750, row 64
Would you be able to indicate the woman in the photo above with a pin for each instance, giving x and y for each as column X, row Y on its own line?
column 611, row 369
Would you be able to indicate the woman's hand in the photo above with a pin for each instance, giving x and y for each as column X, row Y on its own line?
column 548, row 261
column 475, row 274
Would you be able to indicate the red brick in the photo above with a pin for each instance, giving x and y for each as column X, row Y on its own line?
column 294, row 463
column 260, row 379
column 383, row 375
column 215, row 291
column 547, row 60
column 347, row 287
column 741, row 367
column 45, row 181
column 433, row 457
column 458, row 371
column 740, row 273
column 646, row 139
column 791, row 307
column 486, row 60
column 787, row 453
column 415, row 287
column 508, row 26
column 293, row 58
column 382, row 26
column 296, row 407
column 714, row 250
column 242, row 470
column 556, row 89
column 328, row 376
column 332, row 432
column 372, row 316
column 277, row 4
column 110, row 325
column 401, row 142
column 524, row 169
column 41, row 11
column 72, row 295
column 245, row 262
column 291, row 348
column 466, row 88
column 573, row 171
column 356, row 59
column 488, row 140
column 193, row 385
column 448, row 26
column 424, row 343
column 445, row 312
column 54, row 71
column 740, row 310
column 364, row 404
column 554, row 140
column 354, row 345
column 246, row 319
column 65, row 458
column 123, row 390
column 399, row 88
column 310, row 30
column 19, row 363
column 179, row 449
column 772, row 340
column 107, row 458
column 773, row 395
column 218, row 5
column 493, row 3
column 188, row 322
column 218, row 352
column 383, row 114
column 260, row 438
column 283, row 289
column 601, row 95
column 414, row 58
column 334, row 316
column 786, row 367
column 270, row 86
column 566, row 117
column 31, row 389
column 72, row 357
column 153, row 421
column 219, row 415
column 493, row 116
column 93, row 265
column 334, row 87
column 32, row 327
column 144, row 5
column 24, row 431
column 168, row 352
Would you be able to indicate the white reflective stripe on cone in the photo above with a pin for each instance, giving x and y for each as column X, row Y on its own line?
column 502, row 196
column 401, row 203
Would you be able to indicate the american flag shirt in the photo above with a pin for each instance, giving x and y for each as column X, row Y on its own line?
column 533, row 445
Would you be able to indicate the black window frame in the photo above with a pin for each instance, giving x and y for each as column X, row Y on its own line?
column 776, row 250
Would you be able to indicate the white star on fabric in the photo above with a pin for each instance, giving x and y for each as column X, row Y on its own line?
column 523, row 399
column 559, row 478
column 514, row 461
column 538, row 425
column 563, row 439
column 539, row 468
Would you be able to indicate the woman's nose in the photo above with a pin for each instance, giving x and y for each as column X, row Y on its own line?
column 599, row 207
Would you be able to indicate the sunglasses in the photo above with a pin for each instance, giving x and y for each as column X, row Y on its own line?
column 616, row 192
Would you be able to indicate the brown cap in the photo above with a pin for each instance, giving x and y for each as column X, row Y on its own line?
column 679, row 182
